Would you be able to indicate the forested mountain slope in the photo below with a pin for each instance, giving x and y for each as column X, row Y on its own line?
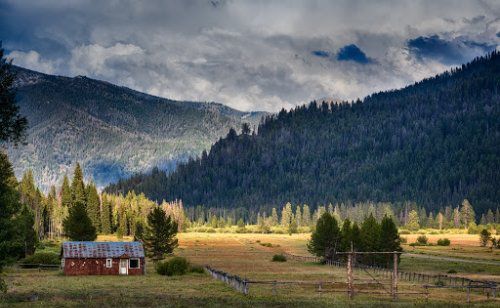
column 112, row 131
column 435, row 142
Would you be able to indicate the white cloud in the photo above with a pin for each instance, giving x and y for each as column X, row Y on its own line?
column 250, row 55
column 32, row 60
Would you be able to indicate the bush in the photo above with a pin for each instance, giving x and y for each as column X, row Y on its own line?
column 452, row 271
column 42, row 258
column 443, row 242
column 172, row 267
column 196, row 269
column 279, row 258
column 404, row 232
column 422, row 240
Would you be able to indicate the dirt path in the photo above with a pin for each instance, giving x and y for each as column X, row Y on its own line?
column 433, row 257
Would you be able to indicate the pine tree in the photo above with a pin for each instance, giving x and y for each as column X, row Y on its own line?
column 10, row 207
column 413, row 223
column 78, row 226
column 274, row 217
column 306, row 216
column 24, row 225
column 325, row 240
column 370, row 240
column 346, row 231
column 298, row 216
column 389, row 239
column 467, row 214
column 93, row 206
column 78, row 186
column 159, row 236
column 286, row 215
column 12, row 124
column 440, row 220
column 106, row 215
column 356, row 237
column 490, row 218
column 66, row 194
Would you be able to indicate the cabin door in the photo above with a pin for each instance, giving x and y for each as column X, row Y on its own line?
column 123, row 266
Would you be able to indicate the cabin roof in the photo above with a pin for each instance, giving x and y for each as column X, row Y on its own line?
column 102, row 250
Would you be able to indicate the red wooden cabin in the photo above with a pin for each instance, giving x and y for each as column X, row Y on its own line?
column 103, row 258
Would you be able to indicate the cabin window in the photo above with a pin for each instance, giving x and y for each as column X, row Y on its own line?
column 109, row 263
column 134, row 263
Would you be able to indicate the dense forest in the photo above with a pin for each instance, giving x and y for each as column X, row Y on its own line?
column 435, row 143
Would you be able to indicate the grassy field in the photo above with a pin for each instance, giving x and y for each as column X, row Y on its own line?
column 249, row 256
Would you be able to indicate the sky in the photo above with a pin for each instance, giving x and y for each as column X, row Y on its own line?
column 250, row 55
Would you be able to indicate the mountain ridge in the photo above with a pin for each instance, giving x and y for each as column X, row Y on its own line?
column 114, row 131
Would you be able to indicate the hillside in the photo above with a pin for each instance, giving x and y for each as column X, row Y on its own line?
column 435, row 143
column 113, row 131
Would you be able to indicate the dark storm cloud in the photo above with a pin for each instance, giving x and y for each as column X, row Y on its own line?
column 250, row 55
column 454, row 51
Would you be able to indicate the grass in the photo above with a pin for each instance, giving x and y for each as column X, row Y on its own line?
column 240, row 254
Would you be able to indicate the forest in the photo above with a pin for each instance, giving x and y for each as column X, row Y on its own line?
column 434, row 143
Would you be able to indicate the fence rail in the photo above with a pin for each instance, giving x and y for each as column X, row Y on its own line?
column 236, row 282
column 403, row 275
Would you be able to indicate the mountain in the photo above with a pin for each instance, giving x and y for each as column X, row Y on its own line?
column 435, row 143
column 113, row 131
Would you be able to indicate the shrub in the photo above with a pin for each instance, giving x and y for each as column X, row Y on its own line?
column 196, row 269
column 452, row 271
column 172, row 267
column 422, row 240
column 279, row 258
column 404, row 232
column 42, row 258
column 443, row 242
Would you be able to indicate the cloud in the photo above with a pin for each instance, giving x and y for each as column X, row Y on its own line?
column 455, row 51
column 250, row 55
column 353, row 53
column 32, row 60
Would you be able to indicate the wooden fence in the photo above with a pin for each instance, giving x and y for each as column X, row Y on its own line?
column 447, row 280
column 237, row 283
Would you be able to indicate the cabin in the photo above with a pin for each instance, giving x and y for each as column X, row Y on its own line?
column 103, row 258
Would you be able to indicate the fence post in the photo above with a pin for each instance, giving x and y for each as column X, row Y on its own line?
column 274, row 288
column 349, row 274
column 395, row 278
column 468, row 294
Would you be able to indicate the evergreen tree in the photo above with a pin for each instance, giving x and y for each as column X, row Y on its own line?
column 325, row 240
column 356, row 237
column 413, row 223
column 298, row 216
column 389, row 239
column 490, row 217
column 9, row 208
column 78, row 226
column 106, row 216
column 93, row 206
column 346, row 231
column 160, row 234
column 306, row 216
column 467, row 214
column 370, row 240
column 12, row 124
column 440, row 219
column 66, row 194
column 286, row 215
column 78, row 186
column 139, row 231
column 274, row 217
column 27, row 235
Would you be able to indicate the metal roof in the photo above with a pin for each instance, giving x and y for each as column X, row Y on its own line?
column 102, row 249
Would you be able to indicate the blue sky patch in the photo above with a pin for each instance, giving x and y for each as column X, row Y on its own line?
column 353, row 53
